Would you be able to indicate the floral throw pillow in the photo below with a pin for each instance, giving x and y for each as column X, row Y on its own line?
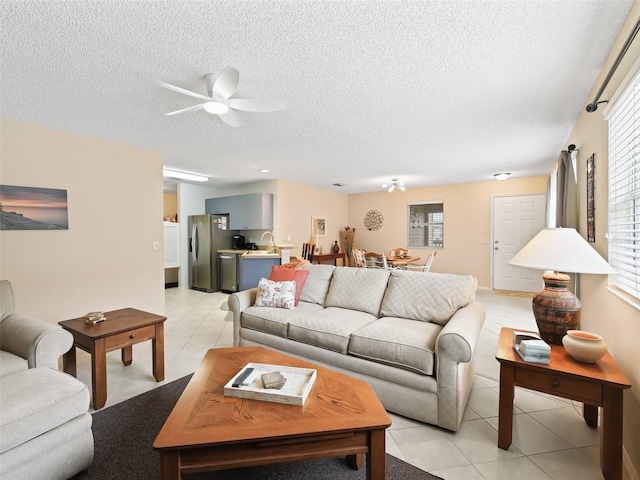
column 276, row 294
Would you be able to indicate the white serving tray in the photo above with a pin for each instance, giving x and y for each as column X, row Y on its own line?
column 295, row 390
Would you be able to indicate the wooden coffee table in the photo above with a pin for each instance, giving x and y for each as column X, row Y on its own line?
column 121, row 330
column 596, row 385
column 210, row 431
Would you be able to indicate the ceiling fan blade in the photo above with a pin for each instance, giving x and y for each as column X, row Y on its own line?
column 252, row 105
column 231, row 118
column 168, row 86
column 194, row 108
column 227, row 83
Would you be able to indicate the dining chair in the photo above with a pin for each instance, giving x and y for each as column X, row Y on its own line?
column 375, row 260
column 358, row 258
column 307, row 251
column 427, row 266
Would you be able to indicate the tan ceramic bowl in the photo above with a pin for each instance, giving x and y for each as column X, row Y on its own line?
column 584, row 346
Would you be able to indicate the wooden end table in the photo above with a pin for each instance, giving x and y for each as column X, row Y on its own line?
column 210, row 431
column 596, row 385
column 121, row 330
column 323, row 257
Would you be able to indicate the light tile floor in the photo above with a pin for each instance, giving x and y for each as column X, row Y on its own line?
column 550, row 438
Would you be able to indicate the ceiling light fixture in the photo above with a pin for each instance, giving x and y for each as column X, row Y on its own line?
column 502, row 176
column 216, row 107
column 183, row 175
column 264, row 170
column 395, row 183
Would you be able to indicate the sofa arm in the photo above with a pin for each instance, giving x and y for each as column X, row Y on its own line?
column 39, row 342
column 239, row 302
column 455, row 372
column 457, row 340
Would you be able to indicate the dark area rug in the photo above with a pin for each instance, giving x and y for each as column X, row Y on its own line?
column 124, row 435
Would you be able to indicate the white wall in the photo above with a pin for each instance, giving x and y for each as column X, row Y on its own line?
column 106, row 259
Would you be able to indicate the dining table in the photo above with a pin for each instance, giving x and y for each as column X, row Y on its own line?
column 401, row 261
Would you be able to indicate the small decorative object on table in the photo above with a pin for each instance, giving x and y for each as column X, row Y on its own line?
column 273, row 380
column 94, row 317
column 336, row 247
column 584, row 346
column 531, row 347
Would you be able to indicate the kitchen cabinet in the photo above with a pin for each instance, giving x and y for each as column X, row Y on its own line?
column 253, row 211
column 253, row 269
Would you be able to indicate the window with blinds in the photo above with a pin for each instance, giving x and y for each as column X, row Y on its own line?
column 624, row 189
column 425, row 226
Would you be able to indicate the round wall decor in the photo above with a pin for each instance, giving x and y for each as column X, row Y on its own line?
column 373, row 220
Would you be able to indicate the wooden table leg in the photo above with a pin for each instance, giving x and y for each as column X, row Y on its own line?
column 99, row 374
column 170, row 466
column 127, row 355
column 611, row 442
column 590, row 414
column 376, row 468
column 505, row 413
column 69, row 362
column 355, row 461
column 157, row 346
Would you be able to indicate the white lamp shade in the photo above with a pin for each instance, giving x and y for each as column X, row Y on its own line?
column 561, row 250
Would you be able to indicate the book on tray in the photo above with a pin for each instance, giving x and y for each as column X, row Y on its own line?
column 531, row 347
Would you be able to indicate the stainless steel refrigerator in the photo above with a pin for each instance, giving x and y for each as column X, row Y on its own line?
column 207, row 235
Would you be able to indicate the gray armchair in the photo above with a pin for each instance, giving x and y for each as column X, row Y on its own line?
column 27, row 342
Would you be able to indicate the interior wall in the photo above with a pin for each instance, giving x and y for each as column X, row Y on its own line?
column 467, row 222
column 616, row 318
column 297, row 204
column 106, row 259
column 170, row 205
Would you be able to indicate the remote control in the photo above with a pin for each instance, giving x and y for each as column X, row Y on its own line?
column 242, row 377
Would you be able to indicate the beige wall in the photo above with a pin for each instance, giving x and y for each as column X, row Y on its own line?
column 105, row 260
column 467, row 219
column 170, row 205
column 603, row 311
column 296, row 204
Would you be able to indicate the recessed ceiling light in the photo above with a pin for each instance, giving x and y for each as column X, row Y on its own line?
column 264, row 170
column 183, row 175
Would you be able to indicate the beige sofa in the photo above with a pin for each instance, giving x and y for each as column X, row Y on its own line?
column 411, row 335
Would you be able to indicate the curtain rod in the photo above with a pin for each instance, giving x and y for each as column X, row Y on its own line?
column 593, row 106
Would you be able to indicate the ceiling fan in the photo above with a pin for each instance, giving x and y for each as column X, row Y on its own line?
column 218, row 99
column 395, row 183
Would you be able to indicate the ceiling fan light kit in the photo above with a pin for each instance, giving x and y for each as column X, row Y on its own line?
column 502, row 176
column 218, row 100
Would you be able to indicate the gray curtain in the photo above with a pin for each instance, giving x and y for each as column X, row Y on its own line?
column 566, row 193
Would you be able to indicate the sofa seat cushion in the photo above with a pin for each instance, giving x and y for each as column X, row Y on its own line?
column 316, row 285
column 10, row 363
column 359, row 289
column 403, row 343
column 275, row 320
column 430, row 297
column 330, row 328
column 38, row 400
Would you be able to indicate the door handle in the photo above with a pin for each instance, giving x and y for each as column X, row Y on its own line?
column 496, row 248
column 194, row 239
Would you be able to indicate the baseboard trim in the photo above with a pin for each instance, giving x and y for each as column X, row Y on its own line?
column 171, row 285
column 628, row 470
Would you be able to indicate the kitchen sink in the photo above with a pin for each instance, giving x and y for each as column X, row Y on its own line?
column 252, row 253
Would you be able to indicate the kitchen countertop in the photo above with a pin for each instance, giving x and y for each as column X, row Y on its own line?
column 230, row 250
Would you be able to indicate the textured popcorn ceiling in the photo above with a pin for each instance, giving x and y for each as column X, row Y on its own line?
column 430, row 92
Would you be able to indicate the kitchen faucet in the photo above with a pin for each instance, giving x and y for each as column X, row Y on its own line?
column 272, row 245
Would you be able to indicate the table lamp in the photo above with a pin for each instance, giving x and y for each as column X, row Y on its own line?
column 555, row 308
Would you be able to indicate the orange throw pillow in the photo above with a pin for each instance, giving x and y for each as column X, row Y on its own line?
column 284, row 274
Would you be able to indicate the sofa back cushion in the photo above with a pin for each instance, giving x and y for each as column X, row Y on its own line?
column 430, row 297
column 316, row 285
column 359, row 289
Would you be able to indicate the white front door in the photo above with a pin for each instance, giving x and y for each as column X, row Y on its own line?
column 516, row 220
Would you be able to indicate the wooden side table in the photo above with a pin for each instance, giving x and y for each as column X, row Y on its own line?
column 596, row 385
column 323, row 257
column 121, row 330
